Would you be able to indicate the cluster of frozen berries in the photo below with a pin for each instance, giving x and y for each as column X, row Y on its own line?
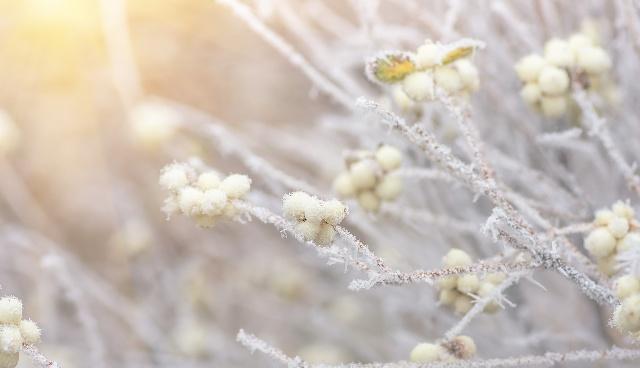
column 627, row 315
column 547, row 78
column 456, row 291
column 204, row 197
column 14, row 331
column 616, row 231
column 315, row 219
column 369, row 177
column 460, row 347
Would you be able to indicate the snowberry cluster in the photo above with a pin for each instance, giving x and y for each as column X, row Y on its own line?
column 615, row 232
column 14, row 331
column 416, row 76
column 627, row 315
column 203, row 196
column 153, row 123
column 9, row 134
column 315, row 219
column 369, row 177
column 460, row 347
column 547, row 78
column 456, row 291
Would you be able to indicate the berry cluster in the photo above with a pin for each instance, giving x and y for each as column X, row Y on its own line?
column 203, row 196
column 460, row 347
column 14, row 331
column 456, row 290
column 547, row 79
column 316, row 219
column 627, row 314
column 615, row 232
column 369, row 177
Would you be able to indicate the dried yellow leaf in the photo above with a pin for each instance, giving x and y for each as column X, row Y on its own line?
column 456, row 54
column 392, row 68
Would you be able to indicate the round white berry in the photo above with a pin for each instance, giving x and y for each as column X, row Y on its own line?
column 190, row 200
column 10, row 338
column 630, row 241
column 308, row 230
column 554, row 106
column 628, row 314
column 9, row 360
column 401, row 99
column 334, row 211
column 326, row 234
column 593, row 60
column 557, row 52
column 618, row 227
column 389, row 188
column 419, row 86
column 213, row 202
column 463, row 347
column 626, row 286
column 426, row 353
column 388, row 157
column 468, row 284
column 30, row 331
column 553, row 80
column 623, row 210
column 600, row 243
column 208, row 180
column 603, row 217
column 531, row 93
column 369, row 201
column 10, row 310
column 468, row 74
column 236, row 185
column 363, row 175
column 174, row 177
column 607, row 265
column 448, row 282
column 462, row 304
column 579, row 41
column 529, row 68
column 314, row 210
column 293, row 204
column 343, row 185
column 427, row 56
column 448, row 296
column 495, row 278
column 457, row 258
column 448, row 79
column 485, row 290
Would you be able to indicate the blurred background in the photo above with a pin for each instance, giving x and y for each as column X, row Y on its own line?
column 111, row 282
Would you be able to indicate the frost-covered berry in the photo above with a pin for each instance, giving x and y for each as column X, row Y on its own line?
column 10, row 338
column 363, row 175
column 627, row 315
column 485, row 290
column 369, row 201
column 468, row 283
column 495, row 278
column 600, row 243
column 426, row 353
column 462, row 347
column 603, row 217
column 236, row 185
column 623, row 210
column 213, row 202
column 388, row 157
column 463, row 304
column 457, row 258
column 175, row 176
column 468, row 74
column 9, row 360
column 557, row 52
column 553, row 80
column 419, row 86
column 593, row 60
column 531, row 93
column 626, row 286
column 10, row 310
column 448, row 79
column 325, row 234
column 30, row 331
column 314, row 211
column 389, row 188
column 294, row 204
column 529, row 67
column 448, row 282
column 448, row 296
column 308, row 230
column 618, row 227
column 427, row 55
column 553, row 106
column 208, row 180
column 343, row 185
column 190, row 200
column 401, row 99
column 334, row 212
column 630, row 241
